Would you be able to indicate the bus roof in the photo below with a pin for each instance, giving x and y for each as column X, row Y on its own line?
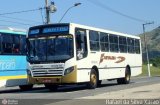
column 88, row 28
column 13, row 30
column 104, row 30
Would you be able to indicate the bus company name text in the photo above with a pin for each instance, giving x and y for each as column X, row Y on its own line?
column 7, row 64
column 117, row 59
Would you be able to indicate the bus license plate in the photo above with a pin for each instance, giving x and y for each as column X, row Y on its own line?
column 46, row 80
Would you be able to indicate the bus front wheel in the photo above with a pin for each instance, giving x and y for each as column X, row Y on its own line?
column 93, row 80
column 26, row 87
column 51, row 87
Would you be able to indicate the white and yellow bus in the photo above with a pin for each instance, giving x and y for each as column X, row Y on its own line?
column 69, row 53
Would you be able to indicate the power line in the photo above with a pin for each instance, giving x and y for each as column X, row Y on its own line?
column 16, row 22
column 42, row 16
column 19, row 19
column 14, row 26
column 17, row 12
column 115, row 11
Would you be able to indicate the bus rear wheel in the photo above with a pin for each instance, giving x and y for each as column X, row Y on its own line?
column 51, row 87
column 26, row 87
column 99, row 83
column 126, row 79
column 93, row 80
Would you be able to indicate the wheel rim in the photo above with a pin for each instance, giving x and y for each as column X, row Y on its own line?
column 93, row 79
column 127, row 77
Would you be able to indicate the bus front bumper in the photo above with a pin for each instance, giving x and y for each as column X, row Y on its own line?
column 69, row 78
column 44, row 80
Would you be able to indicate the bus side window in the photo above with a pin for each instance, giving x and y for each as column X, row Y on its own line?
column 7, row 41
column 94, row 40
column 130, row 43
column 113, row 39
column 137, row 46
column 16, row 44
column 122, row 44
column 81, row 43
column 23, row 46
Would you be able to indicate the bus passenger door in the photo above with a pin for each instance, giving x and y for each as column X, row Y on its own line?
column 81, row 43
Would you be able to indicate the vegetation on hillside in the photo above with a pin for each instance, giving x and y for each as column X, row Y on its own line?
column 153, row 43
column 152, row 39
column 155, row 62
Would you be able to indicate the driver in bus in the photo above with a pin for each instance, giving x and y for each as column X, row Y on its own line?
column 80, row 50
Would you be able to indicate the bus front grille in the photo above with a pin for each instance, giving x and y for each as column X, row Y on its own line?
column 47, row 72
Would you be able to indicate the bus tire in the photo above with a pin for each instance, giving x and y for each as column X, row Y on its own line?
column 126, row 79
column 99, row 83
column 26, row 87
column 51, row 87
column 92, row 84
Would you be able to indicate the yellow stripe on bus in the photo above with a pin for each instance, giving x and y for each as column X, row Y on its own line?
column 13, row 77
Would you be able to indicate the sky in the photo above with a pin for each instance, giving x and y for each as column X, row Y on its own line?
column 126, row 16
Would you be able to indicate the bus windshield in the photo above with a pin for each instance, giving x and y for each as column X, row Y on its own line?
column 48, row 49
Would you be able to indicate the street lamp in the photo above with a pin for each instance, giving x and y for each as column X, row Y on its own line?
column 75, row 5
column 146, row 47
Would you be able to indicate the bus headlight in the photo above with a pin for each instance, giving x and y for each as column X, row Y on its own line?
column 29, row 72
column 68, row 70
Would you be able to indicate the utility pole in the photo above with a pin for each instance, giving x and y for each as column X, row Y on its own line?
column 146, row 48
column 50, row 8
column 47, row 12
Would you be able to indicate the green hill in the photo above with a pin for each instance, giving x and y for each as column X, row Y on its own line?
column 153, row 42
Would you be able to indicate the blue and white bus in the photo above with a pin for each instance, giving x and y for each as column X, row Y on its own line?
column 13, row 58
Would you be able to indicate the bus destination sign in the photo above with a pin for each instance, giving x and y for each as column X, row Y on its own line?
column 34, row 31
column 49, row 30
column 55, row 29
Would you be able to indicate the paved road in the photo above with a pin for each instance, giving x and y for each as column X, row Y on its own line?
column 39, row 95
